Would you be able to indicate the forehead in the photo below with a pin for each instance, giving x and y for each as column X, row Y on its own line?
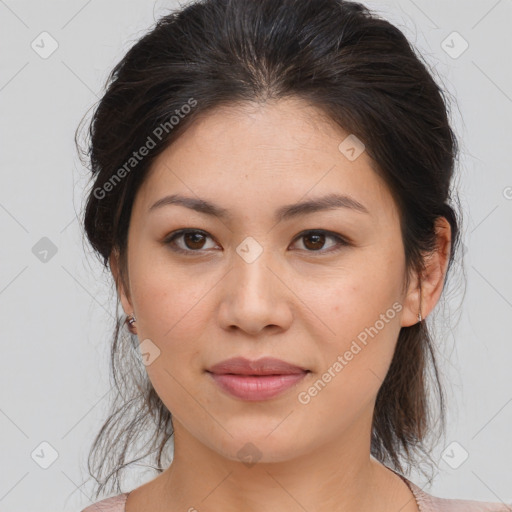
column 284, row 131
column 277, row 152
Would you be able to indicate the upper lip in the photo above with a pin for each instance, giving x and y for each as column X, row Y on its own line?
column 262, row 366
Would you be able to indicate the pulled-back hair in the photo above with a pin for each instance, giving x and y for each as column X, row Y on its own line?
column 349, row 63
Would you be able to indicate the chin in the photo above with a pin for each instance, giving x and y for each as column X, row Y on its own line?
column 260, row 447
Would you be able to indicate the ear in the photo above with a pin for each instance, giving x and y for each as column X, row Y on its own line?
column 123, row 293
column 431, row 280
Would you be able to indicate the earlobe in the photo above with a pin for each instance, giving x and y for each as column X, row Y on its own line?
column 426, row 291
column 413, row 307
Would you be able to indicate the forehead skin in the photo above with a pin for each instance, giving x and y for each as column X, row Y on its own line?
column 251, row 159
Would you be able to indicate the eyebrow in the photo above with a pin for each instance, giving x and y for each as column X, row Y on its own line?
column 328, row 202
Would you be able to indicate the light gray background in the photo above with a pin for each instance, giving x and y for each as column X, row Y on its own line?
column 56, row 316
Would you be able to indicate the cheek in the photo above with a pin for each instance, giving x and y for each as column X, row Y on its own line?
column 168, row 299
column 355, row 360
column 172, row 316
column 362, row 312
column 350, row 303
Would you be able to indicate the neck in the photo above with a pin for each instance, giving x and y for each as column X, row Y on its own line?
column 325, row 479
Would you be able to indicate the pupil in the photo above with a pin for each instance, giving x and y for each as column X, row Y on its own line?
column 317, row 238
column 195, row 238
column 188, row 236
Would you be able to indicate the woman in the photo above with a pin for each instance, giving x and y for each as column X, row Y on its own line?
column 272, row 194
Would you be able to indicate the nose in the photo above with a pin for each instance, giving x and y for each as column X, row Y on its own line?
column 255, row 296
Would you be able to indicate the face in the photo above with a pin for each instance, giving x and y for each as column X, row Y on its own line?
column 322, row 289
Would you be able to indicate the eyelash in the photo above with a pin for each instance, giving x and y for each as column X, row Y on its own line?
column 342, row 242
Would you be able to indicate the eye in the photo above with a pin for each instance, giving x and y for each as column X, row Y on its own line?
column 193, row 240
column 316, row 240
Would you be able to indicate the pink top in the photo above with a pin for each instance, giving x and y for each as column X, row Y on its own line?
column 425, row 502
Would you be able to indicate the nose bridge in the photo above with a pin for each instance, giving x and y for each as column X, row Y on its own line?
column 251, row 264
column 253, row 296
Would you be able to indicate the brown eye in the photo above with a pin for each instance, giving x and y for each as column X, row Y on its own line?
column 192, row 241
column 314, row 241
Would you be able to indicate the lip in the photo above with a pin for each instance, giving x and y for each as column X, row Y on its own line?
column 261, row 379
column 262, row 366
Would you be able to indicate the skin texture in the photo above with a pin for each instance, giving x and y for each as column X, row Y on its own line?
column 298, row 301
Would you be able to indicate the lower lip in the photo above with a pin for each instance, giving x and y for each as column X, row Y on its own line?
column 253, row 387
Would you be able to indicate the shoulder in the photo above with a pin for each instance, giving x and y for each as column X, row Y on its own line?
column 112, row 504
column 430, row 503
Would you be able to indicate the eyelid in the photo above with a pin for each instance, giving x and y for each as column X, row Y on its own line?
column 327, row 233
column 169, row 240
column 342, row 241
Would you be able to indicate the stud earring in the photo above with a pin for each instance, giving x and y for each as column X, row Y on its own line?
column 131, row 320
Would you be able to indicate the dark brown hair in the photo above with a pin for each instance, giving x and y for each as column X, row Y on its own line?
column 341, row 58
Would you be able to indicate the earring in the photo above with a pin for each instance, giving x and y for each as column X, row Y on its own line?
column 131, row 320
column 419, row 317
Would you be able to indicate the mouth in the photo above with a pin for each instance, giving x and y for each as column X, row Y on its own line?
column 262, row 366
column 257, row 380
